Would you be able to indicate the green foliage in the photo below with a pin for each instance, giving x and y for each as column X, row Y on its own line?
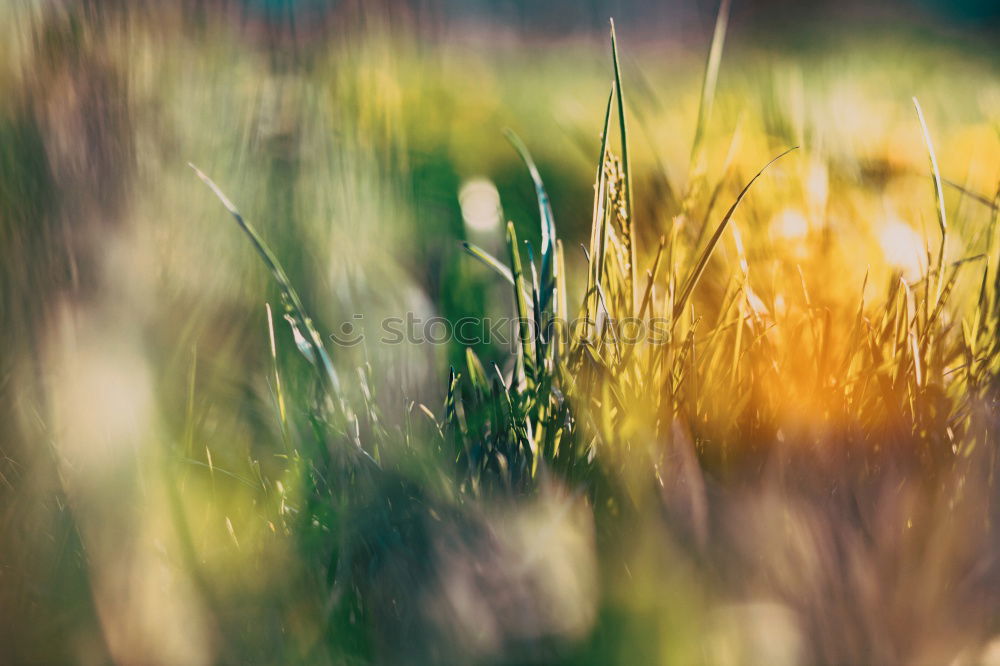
column 891, row 382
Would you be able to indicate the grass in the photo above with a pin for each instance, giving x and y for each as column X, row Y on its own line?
column 847, row 396
column 800, row 469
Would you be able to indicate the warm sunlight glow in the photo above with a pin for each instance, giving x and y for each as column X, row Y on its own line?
column 480, row 203
column 903, row 247
column 791, row 224
column 817, row 187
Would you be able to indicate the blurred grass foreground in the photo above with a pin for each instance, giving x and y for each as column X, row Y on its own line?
column 801, row 467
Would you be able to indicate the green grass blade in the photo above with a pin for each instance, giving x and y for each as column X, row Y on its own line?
column 494, row 263
column 938, row 192
column 477, row 373
column 709, row 82
column 488, row 259
column 699, row 268
column 524, row 316
column 290, row 297
column 626, row 164
column 544, row 211
column 279, row 395
column 595, row 258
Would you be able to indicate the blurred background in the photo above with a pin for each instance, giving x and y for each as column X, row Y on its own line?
column 147, row 486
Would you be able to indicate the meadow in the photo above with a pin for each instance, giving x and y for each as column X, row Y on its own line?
column 798, row 467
